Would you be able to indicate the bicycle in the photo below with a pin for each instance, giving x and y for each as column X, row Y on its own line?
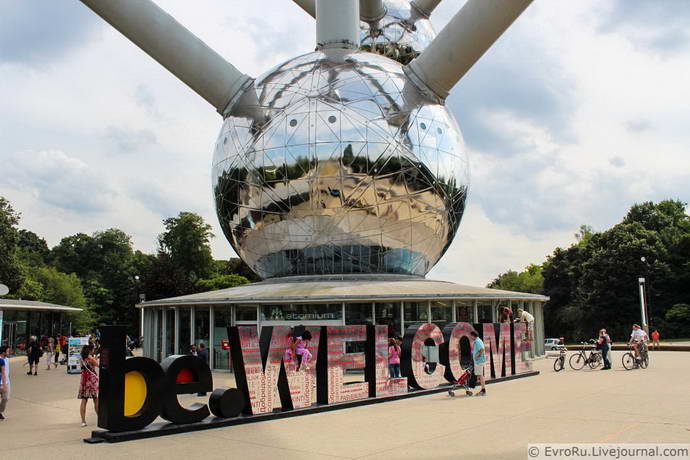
column 580, row 359
column 629, row 360
column 559, row 363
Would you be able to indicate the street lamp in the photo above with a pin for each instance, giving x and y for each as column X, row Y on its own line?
column 647, row 286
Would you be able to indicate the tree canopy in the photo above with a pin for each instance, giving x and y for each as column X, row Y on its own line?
column 593, row 284
column 103, row 274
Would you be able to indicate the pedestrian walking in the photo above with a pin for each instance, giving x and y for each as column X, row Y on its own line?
column 5, row 352
column 88, row 384
column 479, row 358
column 50, row 352
column 34, row 353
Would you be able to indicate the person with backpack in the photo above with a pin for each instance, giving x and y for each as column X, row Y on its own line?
column 34, row 353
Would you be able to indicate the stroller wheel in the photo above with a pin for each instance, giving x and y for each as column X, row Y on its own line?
column 451, row 393
column 468, row 393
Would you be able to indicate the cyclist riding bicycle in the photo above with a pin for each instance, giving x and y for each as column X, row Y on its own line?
column 638, row 338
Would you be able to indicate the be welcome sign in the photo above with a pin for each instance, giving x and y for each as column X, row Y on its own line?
column 135, row 391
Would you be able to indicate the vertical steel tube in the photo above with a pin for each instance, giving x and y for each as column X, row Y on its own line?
column 371, row 10
column 337, row 24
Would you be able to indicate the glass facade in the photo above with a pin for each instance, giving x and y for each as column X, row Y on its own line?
column 185, row 330
column 163, row 330
column 222, row 320
column 416, row 312
column 464, row 311
column 169, row 333
column 17, row 325
column 388, row 313
column 441, row 312
column 484, row 310
column 202, row 326
column 359, row 313
column 245, row 313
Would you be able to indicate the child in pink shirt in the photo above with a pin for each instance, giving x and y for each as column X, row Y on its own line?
column 393, row 358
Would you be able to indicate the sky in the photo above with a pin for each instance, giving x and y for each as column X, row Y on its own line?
column 578, row 111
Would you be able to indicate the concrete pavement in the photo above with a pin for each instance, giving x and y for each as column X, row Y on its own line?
column 649, row 405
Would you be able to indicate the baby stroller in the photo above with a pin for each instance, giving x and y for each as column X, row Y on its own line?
column 463, row 382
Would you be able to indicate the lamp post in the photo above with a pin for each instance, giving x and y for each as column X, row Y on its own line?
column 142, row 297
column 647, row 288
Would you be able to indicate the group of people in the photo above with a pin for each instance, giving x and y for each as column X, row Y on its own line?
column 51, row 347
column 638, row 340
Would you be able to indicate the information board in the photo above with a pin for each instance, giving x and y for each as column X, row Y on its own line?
column 74, row 353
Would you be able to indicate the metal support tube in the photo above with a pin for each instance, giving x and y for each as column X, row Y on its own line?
column 462, row 42
column 174, row 47
column 426, row 7
column 337, row 24
column 371, row 10
column 642, row 303
column 309, row 6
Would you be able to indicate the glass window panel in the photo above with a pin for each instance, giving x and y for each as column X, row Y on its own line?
column 170, row 332
column 222, row 319
column 159, row 334
column 302, row 312
column 245, row 313
column 484, row 311
column 416, row 312
column 185, row 331
column 358, row 313
column 202, row 326
column 464, row 310
column 388, row 313
column 441, row 312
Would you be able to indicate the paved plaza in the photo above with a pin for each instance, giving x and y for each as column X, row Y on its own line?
column 587, row 406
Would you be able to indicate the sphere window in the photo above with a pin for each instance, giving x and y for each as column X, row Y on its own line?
column 293, row 122
column 422, row 125
column 331, row 119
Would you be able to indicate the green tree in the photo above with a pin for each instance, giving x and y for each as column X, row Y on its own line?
column 186, row 240
column 32, row 250
column 221, row 282
column 10, row 272
column 530, row 280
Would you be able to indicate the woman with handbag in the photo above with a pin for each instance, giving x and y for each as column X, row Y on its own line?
column 88, row 384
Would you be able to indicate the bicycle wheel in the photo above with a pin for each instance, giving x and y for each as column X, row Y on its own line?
column 628, row 361
column 594, row 361
column 577, row 361
column 558, row 364
column 644, row 362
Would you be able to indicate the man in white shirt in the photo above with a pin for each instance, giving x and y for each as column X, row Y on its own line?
column 4, row 379
column 637, row 337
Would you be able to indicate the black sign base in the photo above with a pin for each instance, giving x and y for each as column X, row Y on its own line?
column 165, row 429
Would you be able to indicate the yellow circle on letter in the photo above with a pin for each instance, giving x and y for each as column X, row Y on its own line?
column 135, row 393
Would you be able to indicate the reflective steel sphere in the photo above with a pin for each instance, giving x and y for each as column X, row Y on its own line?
column 349, row 169
column 402, row 34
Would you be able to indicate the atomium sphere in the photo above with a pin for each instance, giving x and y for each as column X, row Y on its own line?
column 351, row 170
column 402, row 34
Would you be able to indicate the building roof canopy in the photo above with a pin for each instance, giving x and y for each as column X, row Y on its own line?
column 343, row 288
